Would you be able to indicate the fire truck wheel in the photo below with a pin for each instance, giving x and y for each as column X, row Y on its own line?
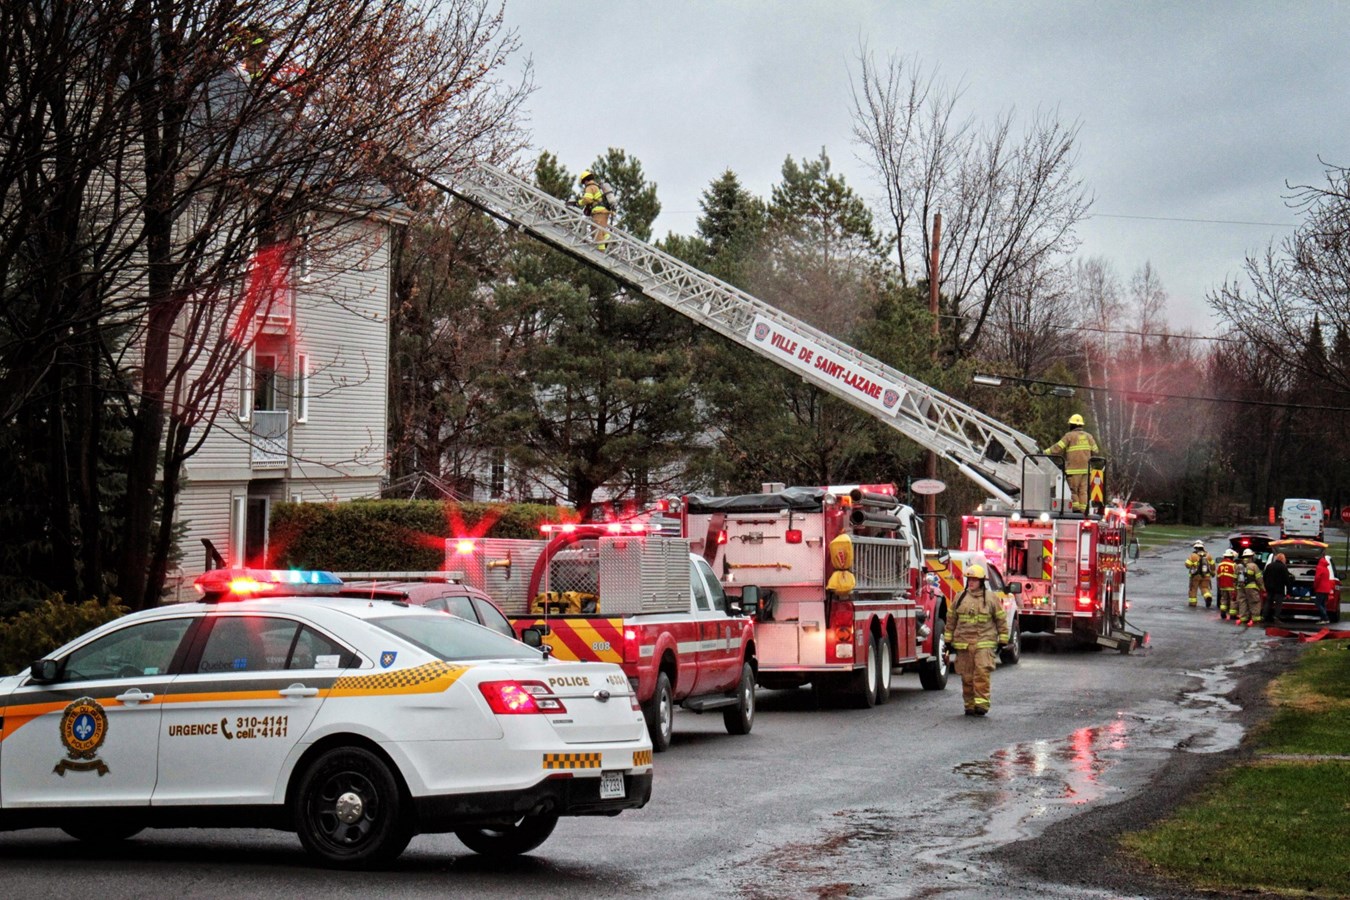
column 1011, row 653
column 509, row 840
column 883, row 671
column 862, row 690
column 933, row 671
column 740, row 718
column 660, row 713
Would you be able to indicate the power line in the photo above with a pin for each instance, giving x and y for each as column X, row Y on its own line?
column 1141, row 334
column 1200, row 221
column 1154, row 397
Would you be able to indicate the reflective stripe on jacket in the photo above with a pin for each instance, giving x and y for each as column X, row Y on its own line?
column 1227, row 572
column 1077, row 448
column 976, row 620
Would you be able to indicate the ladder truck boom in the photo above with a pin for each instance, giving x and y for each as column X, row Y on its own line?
column 983, row 449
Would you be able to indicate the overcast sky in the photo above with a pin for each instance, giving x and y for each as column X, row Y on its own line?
column 1188, row 110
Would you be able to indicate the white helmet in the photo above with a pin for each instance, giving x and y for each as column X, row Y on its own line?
column 1248, row 552
column 1230, row 553
column 1198, row 545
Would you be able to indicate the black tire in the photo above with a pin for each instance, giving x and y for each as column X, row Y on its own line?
column 102, row 831
column 1011, row 654
column 660, row 714
column 740, row 718
column 862, row 689
column 884, row 665
column 933, row 672
column 509, row 840
column 1334, row 617
column 349, row 810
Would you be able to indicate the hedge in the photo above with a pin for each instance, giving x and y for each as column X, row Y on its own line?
column 393, row 535
column 33, row 634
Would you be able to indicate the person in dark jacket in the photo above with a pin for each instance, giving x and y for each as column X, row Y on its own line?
column 1278, row 581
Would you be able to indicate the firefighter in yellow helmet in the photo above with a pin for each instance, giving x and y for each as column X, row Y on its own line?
column 1077, row 447
column 976, row 628
column 1201, row 566
column 595, row 204
column 1250, row 588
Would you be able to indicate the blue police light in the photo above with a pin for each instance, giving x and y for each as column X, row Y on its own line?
column 242, row 582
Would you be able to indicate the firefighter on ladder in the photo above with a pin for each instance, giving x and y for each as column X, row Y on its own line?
column 1250, row 587
column 593, row 204
column 1226, row 575
column 1077, row 447
column 1201, row 566
column 976, row 629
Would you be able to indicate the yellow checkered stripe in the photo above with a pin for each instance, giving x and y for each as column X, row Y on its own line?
column 429, row 678
column 572, row 760
column 642, row 758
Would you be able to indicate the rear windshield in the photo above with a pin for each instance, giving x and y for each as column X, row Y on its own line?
column 452, row 639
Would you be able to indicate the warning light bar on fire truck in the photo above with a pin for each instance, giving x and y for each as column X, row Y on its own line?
column 598, row 528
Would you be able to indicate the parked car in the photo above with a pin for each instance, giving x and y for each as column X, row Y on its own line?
column 444, row 596
column 1144, row 513
column 1255, row 541
column 1301, row 556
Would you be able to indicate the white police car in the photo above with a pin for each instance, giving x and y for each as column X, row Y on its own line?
column 356, row 723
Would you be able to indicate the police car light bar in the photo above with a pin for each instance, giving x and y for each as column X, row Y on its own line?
column 241, row 582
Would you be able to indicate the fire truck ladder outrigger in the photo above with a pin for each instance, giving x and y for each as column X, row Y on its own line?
column 985, row 450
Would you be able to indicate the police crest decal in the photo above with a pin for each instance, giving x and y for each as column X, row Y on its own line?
column 84, row 727
column 387, row 658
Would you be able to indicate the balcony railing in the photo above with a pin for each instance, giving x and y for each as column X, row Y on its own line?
column 269, row 438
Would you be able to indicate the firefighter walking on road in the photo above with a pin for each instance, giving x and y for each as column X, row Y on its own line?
column 976, row 629
column 1201, row 566
column 1077, row 447
column 1226, row 575
column 1250, row 588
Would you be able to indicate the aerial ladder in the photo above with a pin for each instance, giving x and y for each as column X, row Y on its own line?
column 1000, row 459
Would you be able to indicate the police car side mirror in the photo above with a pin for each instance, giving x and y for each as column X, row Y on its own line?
column 44, row 671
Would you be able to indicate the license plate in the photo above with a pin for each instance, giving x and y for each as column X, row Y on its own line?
column 611, row 785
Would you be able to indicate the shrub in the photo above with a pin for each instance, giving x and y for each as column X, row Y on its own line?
column 392, row 535
column 33, row 634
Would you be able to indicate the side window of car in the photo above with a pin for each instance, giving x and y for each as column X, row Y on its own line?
column 314, row 651
column 493, row 618
column 995, row 580
column 132, row 652
column 700, row 587
column 455, row 605
column 716, row 595
column 247, row 644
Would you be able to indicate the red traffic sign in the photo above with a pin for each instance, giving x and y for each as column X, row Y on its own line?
column 928, row 486
column 1345, row 513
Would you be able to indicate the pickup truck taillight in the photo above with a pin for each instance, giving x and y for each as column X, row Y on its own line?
column 630, row 646
column 520, row 698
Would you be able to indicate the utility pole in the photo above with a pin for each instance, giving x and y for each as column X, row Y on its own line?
column 930, row 500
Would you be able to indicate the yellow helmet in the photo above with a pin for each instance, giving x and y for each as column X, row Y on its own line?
column 975, row 571
column 585, row 176
column 1075, row 419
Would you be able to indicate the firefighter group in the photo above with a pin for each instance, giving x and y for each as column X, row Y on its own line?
column 1245, row 597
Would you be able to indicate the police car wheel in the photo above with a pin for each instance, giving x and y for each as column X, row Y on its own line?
column 349, row 810
column 102, row 832
column 509, row 840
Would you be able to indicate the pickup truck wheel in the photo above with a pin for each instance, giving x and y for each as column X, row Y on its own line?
column 1011, row 653
column 740, row 718
column 509, row 840
column 933, row 671
column 883, row 670
column 349, row 811
column 660, row 714
column 863, row 689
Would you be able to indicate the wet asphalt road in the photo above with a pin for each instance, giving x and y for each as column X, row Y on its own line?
column 905, row 800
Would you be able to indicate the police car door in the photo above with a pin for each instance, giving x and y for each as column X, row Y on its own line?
column 251, row 686
column 89, row 738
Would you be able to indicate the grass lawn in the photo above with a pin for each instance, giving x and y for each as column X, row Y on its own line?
column 1151, row 536
column 1274, row 824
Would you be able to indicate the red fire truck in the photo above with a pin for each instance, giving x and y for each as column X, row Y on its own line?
column 617, row 592
column 1071, row 569
column 834, row 579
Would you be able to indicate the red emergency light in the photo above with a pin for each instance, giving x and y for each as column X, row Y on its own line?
column 793, row 536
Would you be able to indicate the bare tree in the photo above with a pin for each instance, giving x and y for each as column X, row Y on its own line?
column 1027, row 325
column 206, row 131
column 1006, row 202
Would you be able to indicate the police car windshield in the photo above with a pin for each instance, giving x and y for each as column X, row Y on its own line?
column 450, row 638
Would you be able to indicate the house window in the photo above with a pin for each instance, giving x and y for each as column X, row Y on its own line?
column 302, row 387
column 238, row 529
column 497, row 478
column 246, row 386
column 265, row 383
column 297, row 497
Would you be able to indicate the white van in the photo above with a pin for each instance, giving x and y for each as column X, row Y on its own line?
column 1301, row 518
